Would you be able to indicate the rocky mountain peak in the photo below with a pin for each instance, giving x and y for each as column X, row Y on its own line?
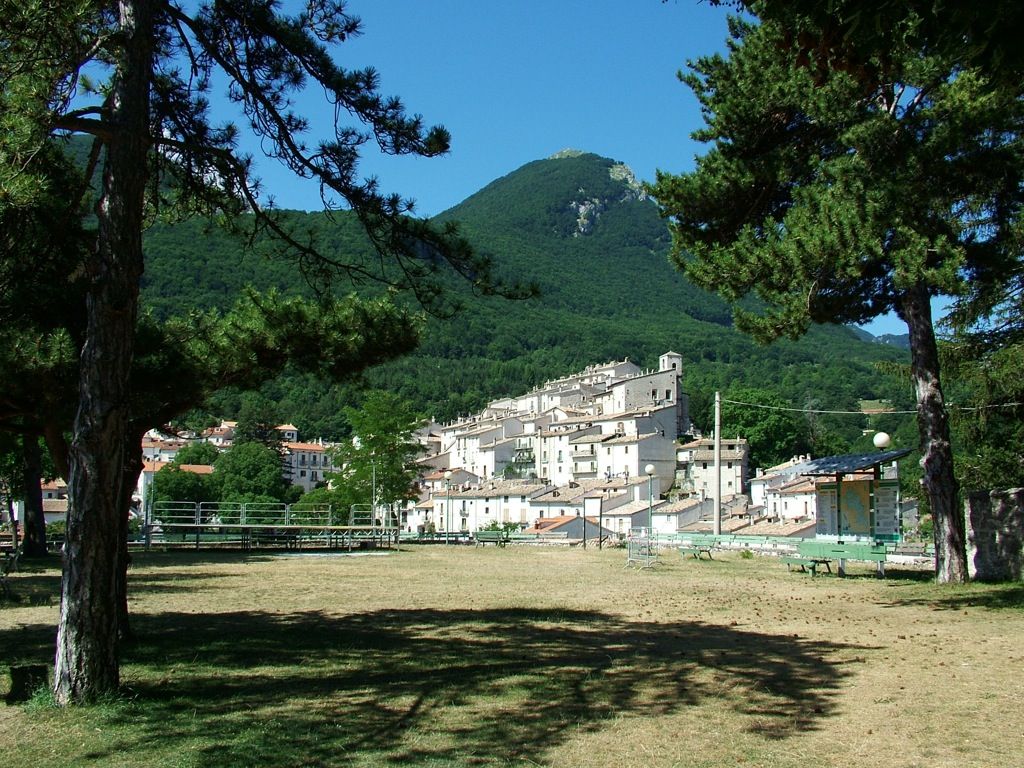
column 587, row 205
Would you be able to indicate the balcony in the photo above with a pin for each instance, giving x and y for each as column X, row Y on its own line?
column 523, row 456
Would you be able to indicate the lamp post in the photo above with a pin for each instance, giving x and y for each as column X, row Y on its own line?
column 447, row 506
column 649, row 469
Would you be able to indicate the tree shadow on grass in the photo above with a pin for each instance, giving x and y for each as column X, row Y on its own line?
column 29, row 587
column 947, row 597
column 451, row 686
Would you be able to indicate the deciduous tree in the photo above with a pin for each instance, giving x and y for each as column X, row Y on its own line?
column 251, row 472
column 196, row 453
column 773, row 434
column 379, row 457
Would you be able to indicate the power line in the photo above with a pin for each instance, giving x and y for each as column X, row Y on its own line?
column 949, row 407
column 805, row 410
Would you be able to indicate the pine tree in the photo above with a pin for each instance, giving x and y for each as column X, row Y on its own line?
column 160, row 148
column 832, row 199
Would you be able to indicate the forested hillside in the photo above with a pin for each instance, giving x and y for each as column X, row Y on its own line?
column 581, row 228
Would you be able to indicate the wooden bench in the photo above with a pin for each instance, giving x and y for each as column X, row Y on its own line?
column 499, row 538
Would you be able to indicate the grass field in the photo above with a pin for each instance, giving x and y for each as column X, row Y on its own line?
column 527, row 656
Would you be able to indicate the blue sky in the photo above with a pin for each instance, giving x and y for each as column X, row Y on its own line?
column 518, row 81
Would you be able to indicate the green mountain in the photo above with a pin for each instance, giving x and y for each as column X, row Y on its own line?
column 581, row 228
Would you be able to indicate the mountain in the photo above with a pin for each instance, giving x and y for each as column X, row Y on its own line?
column 901, row 340
column 582, row 228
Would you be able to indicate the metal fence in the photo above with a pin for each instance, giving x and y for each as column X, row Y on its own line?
column 641, row 548
column 266, row 523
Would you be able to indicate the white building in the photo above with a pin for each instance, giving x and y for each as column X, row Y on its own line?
column 470, row 509
column 306, row 464
column 773, row 477
column 792, row 501
column 161, row 448
column 695, row 467
column 608, row 420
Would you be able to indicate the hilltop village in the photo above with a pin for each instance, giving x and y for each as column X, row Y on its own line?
column 605, row 450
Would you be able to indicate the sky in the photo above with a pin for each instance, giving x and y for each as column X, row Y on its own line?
column 519, row 81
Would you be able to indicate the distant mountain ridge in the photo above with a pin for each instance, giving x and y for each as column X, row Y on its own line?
column 581, row 227
column 900, row 340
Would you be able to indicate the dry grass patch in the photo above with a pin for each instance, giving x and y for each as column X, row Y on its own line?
column 528, row 656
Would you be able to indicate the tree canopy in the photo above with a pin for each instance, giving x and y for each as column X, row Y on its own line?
column 378, row 459
column 774, row 434
column 826, row 198
column 258, row 419
column 858, row 35
column 251, row 472
column 135, row 75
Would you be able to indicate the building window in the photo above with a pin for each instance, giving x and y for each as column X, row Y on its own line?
column 302, row 473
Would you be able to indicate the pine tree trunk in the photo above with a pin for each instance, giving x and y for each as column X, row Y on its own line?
column 132, row 469
column 34, row 544
column 937, row 480
column 87, row 634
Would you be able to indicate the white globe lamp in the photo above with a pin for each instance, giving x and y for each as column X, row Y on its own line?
column 881, row 440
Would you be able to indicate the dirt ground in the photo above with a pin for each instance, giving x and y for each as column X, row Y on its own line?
column 536, row 656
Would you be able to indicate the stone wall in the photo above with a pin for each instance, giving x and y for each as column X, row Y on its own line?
column 995, row 534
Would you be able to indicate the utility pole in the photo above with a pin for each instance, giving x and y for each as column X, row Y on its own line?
column 718, row 464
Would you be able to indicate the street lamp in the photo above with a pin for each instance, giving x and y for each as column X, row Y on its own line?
column 649, row 469
column 448, row 505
